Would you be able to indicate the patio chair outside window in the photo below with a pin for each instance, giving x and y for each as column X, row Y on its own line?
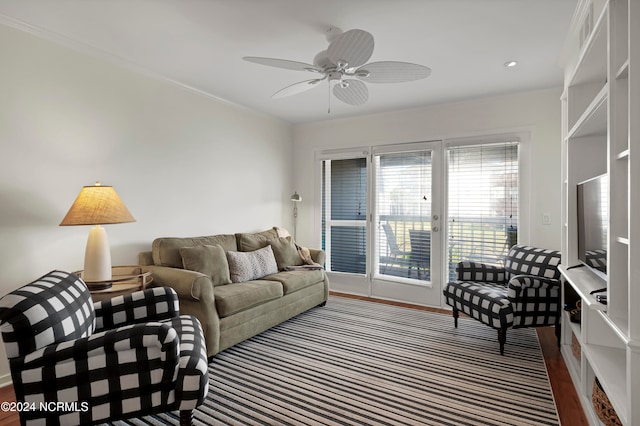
column 397, row 256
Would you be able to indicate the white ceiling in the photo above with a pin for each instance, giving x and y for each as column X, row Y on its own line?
column 200, row 44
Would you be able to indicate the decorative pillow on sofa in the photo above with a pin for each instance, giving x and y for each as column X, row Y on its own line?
column 247, row 266
column 256, row 240
column 209, row 260
column 286, row 252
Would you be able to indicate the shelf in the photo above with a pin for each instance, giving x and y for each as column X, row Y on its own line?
column 592, row 64
column 610, row 366
column 622, row 240
column 618, row 325
column 623, row 72
column 624, row 155
column 600, row 124
column 584, row 282
column 576, row 328
column 593, row 120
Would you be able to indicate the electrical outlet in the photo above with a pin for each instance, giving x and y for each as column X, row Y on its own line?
column 546, row 218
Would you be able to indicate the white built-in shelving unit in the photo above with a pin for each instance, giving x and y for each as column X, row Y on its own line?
column 601, row 128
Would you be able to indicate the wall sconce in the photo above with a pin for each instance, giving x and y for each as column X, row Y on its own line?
column 295, row 198
column 97, row 205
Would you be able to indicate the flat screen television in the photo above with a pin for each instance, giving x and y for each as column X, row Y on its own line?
column 593, row 223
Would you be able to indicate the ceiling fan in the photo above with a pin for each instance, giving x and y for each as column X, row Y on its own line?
column 344, row 64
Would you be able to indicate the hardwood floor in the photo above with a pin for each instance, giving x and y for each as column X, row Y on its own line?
column 8, row 418
column 569, row 408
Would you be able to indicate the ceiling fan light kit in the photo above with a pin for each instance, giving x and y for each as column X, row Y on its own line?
column 345, row 63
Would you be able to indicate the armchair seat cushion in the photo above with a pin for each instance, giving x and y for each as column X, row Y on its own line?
column 486, row 302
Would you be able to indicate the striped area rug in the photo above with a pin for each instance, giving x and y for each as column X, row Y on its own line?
column 354, row 362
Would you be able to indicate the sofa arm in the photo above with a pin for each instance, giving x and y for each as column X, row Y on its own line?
column 188, row 284
column 145, row 258
column 318, row 256
column 196, row 294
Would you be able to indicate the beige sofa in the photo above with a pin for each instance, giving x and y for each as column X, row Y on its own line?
column 201, row 269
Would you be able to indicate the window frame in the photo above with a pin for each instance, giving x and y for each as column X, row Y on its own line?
column 336, row 155
column 524, row 186
column 365, row 285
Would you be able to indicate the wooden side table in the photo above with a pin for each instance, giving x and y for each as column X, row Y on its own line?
column 124, row 280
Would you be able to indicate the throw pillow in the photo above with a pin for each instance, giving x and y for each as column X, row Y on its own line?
column 251, row 242
column 286, row 252
column 247, row 266
column 209, row 260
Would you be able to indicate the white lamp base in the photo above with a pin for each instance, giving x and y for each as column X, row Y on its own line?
column 97, row 256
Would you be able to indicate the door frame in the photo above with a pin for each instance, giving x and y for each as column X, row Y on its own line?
column 362, row 284
column 408, row 289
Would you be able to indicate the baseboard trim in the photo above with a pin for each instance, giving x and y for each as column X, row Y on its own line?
column 391, row 302
column 6, row 381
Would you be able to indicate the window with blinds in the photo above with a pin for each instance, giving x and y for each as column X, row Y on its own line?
column 344, row 213
column 403, row 206
column 482, row 202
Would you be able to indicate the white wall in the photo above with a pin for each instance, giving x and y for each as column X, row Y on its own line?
column 538, row 111
column 187, row 165
column 184, row 164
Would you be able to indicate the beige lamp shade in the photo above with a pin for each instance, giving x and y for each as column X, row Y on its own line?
column 97, row 205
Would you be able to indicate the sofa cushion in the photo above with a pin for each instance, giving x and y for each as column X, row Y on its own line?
column 251, row 265
column 297, row 280
column 166, row 251
column 255, row 241
column 208, row 260
column 286, row 252
column 237, row 297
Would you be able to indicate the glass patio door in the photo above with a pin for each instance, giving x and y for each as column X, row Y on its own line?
column 396, row 219
column 407, row 222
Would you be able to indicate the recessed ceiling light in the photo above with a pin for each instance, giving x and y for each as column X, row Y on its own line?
column 510, row 64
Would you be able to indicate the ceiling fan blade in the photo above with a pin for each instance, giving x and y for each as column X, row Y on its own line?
column 296, row 88
column 282, row 63
column 392, row 72
column 355, row 92
column 353, row 47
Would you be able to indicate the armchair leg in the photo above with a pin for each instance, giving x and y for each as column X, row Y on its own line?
column 186, row 417
column 456, row 314
column 502, row 339
column 558, row 333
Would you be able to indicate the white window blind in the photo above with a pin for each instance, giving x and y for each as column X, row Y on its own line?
column 344, row 213
column 482, row 202
column 403, row 206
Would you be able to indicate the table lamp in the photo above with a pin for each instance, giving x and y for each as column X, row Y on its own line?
column 97, row 205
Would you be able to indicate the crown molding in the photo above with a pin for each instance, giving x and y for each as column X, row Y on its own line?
column 94, row 52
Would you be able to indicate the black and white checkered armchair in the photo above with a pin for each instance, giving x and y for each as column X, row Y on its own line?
column 523, row 293
column 75, row 362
